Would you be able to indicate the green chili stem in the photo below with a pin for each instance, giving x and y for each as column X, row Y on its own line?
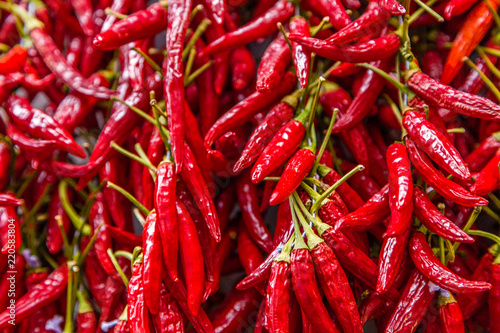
column 117, row 266
column 129, row 196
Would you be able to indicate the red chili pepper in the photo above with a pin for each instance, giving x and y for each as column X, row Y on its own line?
column 415, row 298
column 83, row 11
column 457, row 7
column 137, row 312
column 14, row 60
column 473, row 29
column 301, row 58
column 249, row 205
column 86, row 321
column 370, row 213
column 494, row 299
column 371, row 22
column 480, row 156
column 167, row 215
column 17, row 274
column 345, row 69
column 191, row 257
column 400, row 189
column 260, row 27
column 441, row 184
column 307, row 292
column 99, row 215
column 170, row 316
column 54, row 239
column 10, row 230
column 221, row 59
column 46, row 292
column 139, row 25
column 244, row 110
column 349, row 196
column 5, row 159
column 297, row 168
column 390, row 258
column 242, row 68
column 488, row 179
column 333, row 9
column 433, row 220
column 191, row 175
column 377, row 49
column 278, row 295
column 450, row 316
column 125, row 238
column 39, row 124
column 152, row 263
column 427, row 263
column 393, row 6
column 446, row 97
column 248, row 252
column 273, row 65
column 336, row 287
column 435, row 144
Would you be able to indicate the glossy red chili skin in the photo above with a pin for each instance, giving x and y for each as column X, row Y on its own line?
column 415, row 298
column 277, row 300
column 301, row 58
column 152, row 263
column 273, row 65
column 249, row 204
column 54, row 240
column 488, row 179
column 18, row 273
column 390, row 258
column 494, row 298
column 248, row 252
column 333, row 9
column 450, row 318
column 141, row 24
column 13, row 60
column 46, row 292
column 393, row 6
column 246, row 109
column 83, row 11
column 169, row 319
column 10, row 230
column 281, row 147
column 479, row 157
column 260, row 27
column 278, row 117
column 447, row 97
column 428, row 264
column 86, row 322
column 137, row 313
column 307, row 292
column 377, row 49
column 297, row 168
column 457, row 7
column 350, row 197
column 336, row 287
column 435, row 144
column 433, row 220
column 447, row 188
column 400, row 189
column 370, row 213
column 371, row 22
column 5, row 159
column 242, row 68
column 99, row 215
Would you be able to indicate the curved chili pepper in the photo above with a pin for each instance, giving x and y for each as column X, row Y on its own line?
column 152, row 274
column 450, row 316
column 173, row 83
column 14, row 60
column 86, row 321
column 400, row 189
column 441, row 184
column 167, row 215
column 349, row 196
column 370, row 213
column 125, row 238
column 99, row 215
column 391, row 257
column 248, row 252
column 7, row 199
column 479, row 157
column 494, row 299
column 445, row 96
column 273, row 65
column 83, row 11
column 376, row 49
column 297, row 168
column 244, row 110
column 260, row 27
column 170, row 317
column 473, row 30
column 457, row 7
column 39, row 124
column 371, row 22
column 242, row 67
column 333, row 9
column 279, row 115
column 435, row 144
column 278, row 295
column 488, row 179
column 306, row 290
column 54, row 239
column 191, row 257
column 137, row 312
column 345, row 69
column 427, row 263
column 415, row 298
column 301, row 58
column 46, row 292
column 336, row 287
column 139, row 25
column 249, row 204
column 10, row 230
column 191, row 175
column 433, row 220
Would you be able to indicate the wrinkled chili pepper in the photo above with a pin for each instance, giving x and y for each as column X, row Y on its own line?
column 301, row 58
column 273, row 65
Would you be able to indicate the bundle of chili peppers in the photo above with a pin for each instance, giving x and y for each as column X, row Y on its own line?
column 249, row 166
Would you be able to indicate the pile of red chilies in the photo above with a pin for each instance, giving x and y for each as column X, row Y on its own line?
column 156, row 177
